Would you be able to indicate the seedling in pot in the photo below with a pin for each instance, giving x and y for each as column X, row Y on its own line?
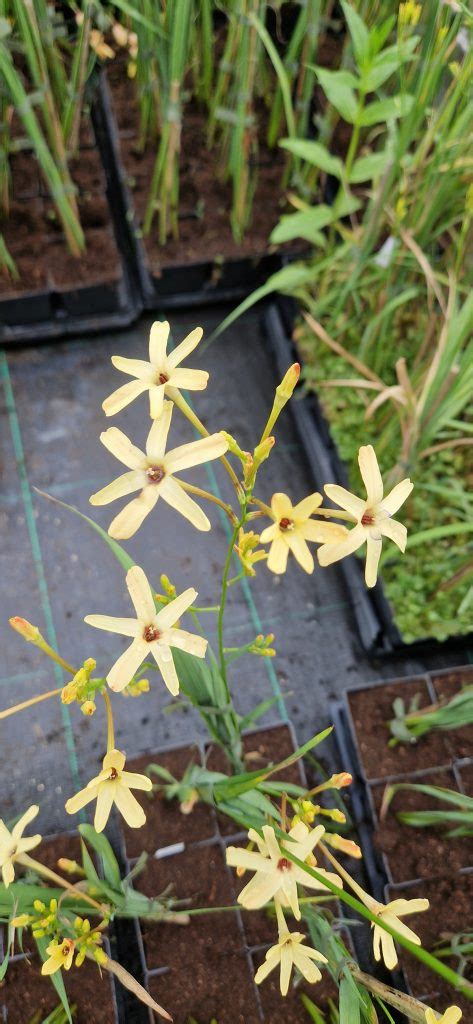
column 409, row 725
column 456, row 816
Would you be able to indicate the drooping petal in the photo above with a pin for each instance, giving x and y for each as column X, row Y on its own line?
column 195, row 453
column 278, row 555
column 139, row 368
column 156, row 400
column 313, row 954
column 126, row 627
column 167, row 668
column 373, row 554
column 345, row 499
column 395, row 531
column 388, row 950
column 141, row 594
column 271, row 961
column 123, row 396
column 122, row 672
column 259, row 890
column 303, row 961
column 393, row 501
column 321, row 532
column 158, row 339
column 402, row 928
column 185, row 347
column 175, row 496
column 173, row 611
column 129, row 520
column 134, row 781
column 190, row 642
column 123, row 485
column 24, row 821
column 189, row 380
column 300, row 551
column 129, row 807
column 310, row 882
column 370, row 472
column 81, row 799
column 307, row 506
column 8, row 873
column 270, row 533
column 105, row 799
column 121, row 447
column 158, row 435
column 281, row 506
column 330, row 553
column 286, row 968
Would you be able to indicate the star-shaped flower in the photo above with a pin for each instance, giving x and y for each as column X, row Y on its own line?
column 383, row 942
column 451, row 1016
column 153, row 633
column 153, row 475
column 373, row 516
column 290, row 952
column 161, row 375
column 276, row 876
column 61, row 955
column 112, row 786
column 13, row 844
column 293, row 527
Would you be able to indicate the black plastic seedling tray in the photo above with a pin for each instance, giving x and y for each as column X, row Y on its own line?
column 373, row 613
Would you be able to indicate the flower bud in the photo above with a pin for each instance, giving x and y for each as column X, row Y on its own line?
column 29, row 633
column 88, row 707
column 285, row 389
column 341, row 780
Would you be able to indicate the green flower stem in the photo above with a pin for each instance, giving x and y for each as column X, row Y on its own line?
column 201, row 493
column 223, row 601
column 451, row 977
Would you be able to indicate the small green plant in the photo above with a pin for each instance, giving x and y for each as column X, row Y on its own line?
column 411, row 723
column 456, row 815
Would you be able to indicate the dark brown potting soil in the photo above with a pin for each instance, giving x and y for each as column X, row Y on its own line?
column 208, row 984
column 291, row 1010
column 414, row 852
column 447, row 685
column 371, row 710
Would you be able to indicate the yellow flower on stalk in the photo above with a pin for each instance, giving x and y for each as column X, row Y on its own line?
column 409, row 13
column 153, row 475
column 373, row 516
column 290, row 952
column 276, row 876
column 161, row 376
column 293, row 527
column 451, row 1016
column 383, row 943
column 112, row 786
column 13, row 844
column 153, row 633
column 61, row 955
column 247, row 551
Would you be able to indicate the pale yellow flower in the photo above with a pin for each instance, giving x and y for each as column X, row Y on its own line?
column 112, row 786
column 153, row 633
column 61, row 955
column 383, row 942
column 290, row 952
column 153, row 475
column 451, row 1016
column 276, row 876
column 373, row 516
column 13, row 844
column 161, row 375
column 293, row 527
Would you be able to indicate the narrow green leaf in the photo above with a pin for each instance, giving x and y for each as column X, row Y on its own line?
column 368, row 168
column 126, row 561
column 358, row 32
column 286, row 280
column 101, row 845
column 315, row 154
column 339, row 88
column 349, row 1005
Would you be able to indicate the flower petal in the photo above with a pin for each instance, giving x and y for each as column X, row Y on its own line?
column 190, row 380
column 238, row 857
column 395, row 531
column 158, row 435
column 286, row 968
column 134, row 781
column 173, row 611
column 121, row 447
column 81, row 799
column 393, row 501
column 129, row 520
column 165, row 663
column 268, row 965
column 373, row 554
column 270, row 533
column 125, row 484
column 105, row 799
column 321, row 532
column 300, row 551
column 281, row 506
column 129, row 807
column 303, row 961
column 345, row 499
column 278, row 555
column 401, row 907
column 259, row 890
column 307, row 506
column 24, row 821
column 141, row 594
column 158, row 339
column 388, row 950
column 8, row 873
column 139, row 368
column 195, row 453
column 156, row 400
column 185, row 347
column 369, row 470
column 175, row 496
column 126, row 627
column 190, row 642
column 122, row 672
column 123, row 396
column 330, row 553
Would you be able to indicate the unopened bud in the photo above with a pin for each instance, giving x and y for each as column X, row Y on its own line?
column 234, row 447
column 341, row 780
column 21, row 922
column 70, row 867
column 88, row 707
column 285, row 389
column 344, row 845
column 29, row 633
column 187, row 806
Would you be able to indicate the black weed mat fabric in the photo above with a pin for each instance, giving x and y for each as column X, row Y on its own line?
column 55, row 570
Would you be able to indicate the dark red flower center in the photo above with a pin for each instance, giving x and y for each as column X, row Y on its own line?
column 367, row 518
column 113, row 773
column 285, row 524
column 151, row 633
column 284, row 864
column 155, row 474
column 163, row 378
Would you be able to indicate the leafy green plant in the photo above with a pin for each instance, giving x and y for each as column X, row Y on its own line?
column 410, row 724
column 457, row 810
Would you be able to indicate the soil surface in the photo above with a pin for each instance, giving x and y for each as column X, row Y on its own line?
column 34, row 236
column 371, row 710
column 204, row 199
